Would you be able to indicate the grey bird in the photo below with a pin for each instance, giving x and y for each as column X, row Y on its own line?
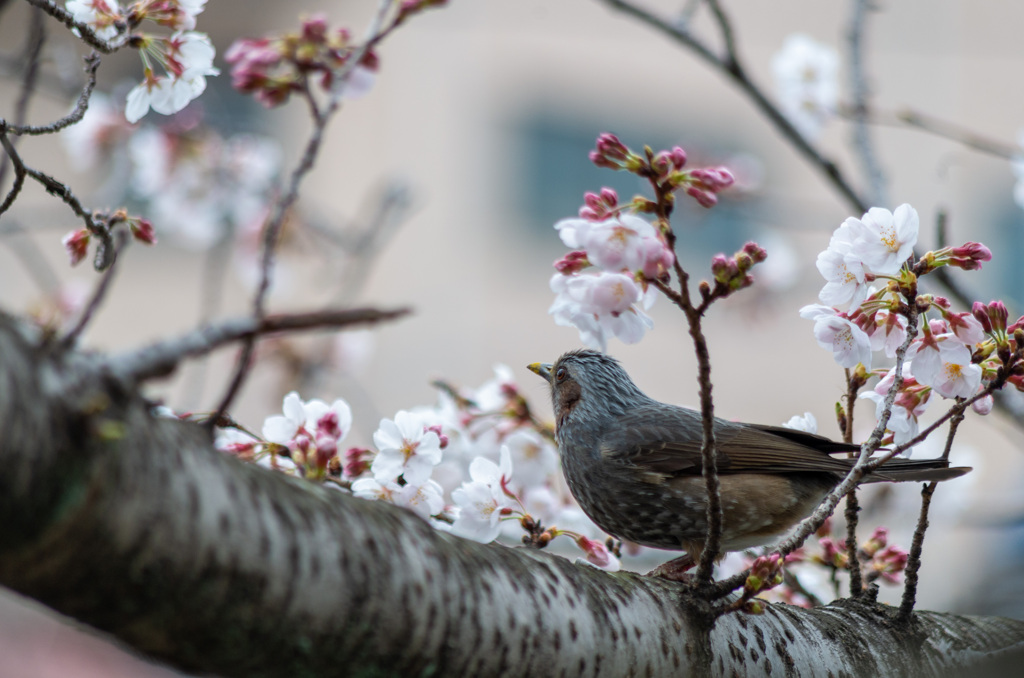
column 634, row 464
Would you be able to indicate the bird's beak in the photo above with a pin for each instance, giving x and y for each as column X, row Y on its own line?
column 541, row 369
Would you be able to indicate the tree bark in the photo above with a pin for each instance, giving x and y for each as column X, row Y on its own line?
column 135, row 526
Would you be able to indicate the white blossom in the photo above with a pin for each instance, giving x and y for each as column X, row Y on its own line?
column 806, row 81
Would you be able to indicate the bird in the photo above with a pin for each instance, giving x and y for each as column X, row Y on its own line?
column 634, row 465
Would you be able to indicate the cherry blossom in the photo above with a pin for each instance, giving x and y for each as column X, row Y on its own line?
column 944, row 363
column 966, row 328
column 601, row 305
column 536, row 460
column 100, row 15
column 806, row 83
column 849, row 344
column 910, row 403
column 807, row 423
column 405, row 449
column 176, row 14
column 482, row 501
column 890, row 332
column 598, row 554
column 884, row 239
column 902, row 422
column 845, row 274
column 426, row 499
column 371, row 490
column 236, row 442
column 310, row 430
column 187, row 58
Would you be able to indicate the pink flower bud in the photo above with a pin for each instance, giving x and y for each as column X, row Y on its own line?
column 983, row 405
column 755, row 252
column 609, row 146
column 326, row 449
column 436, row 428
column 703, row 198
column 76, row 244
column 661, row 163
column 980, row 312
column 314, row 28
column 601, row 161
column 720, row 267
column 357, row 462
column 610, row 197
column 969, row 256
column 301, row 442
column 998, row 314
column 879, row 538
column 142, row 230
column 678, row 156
column 597, row 553
column 573, row 262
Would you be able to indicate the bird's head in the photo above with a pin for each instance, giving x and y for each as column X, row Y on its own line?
column 587, row 384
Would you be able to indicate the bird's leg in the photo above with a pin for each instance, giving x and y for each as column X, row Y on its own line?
column 675, row 569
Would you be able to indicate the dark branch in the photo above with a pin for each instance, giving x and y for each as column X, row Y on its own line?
column 161, row 358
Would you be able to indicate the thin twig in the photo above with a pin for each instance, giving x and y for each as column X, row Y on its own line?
column 709, row 450
column 810, row 525
column 85, row 31
column 862, row 141
column 852, row 504
column 725, row 27
column 98, row 295
column 30, row 61
column 929, row 124
column 19, row 172
column 272, row 230
column 737, row 73
column 917, row 545
column 160, row 359
column 92, row 63
column 852, row 548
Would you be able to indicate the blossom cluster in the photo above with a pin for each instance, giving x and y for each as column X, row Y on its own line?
column 603, row 285
column 273, row 68
column 175, row 67
column 451, row 464
column 954, row 354
column 201, row 188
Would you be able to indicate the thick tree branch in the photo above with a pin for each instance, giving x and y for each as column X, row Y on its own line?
column 133, row 525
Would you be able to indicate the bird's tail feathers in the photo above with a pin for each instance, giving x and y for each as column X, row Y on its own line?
column 915, row 470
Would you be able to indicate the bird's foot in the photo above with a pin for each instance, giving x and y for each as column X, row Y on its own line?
column 675, row 569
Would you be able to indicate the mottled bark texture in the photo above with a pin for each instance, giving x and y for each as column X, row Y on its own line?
column 137, row 527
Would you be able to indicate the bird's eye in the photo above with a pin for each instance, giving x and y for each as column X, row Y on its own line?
column 561, row 373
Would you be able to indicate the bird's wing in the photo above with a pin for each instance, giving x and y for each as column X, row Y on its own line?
column 667, row 440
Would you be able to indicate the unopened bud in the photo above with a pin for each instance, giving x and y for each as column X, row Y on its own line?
column 754, row 607
column 703, row 198
column 678, row 156
column 573, row 262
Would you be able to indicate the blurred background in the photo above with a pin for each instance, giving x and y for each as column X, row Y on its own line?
column 439, row 188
